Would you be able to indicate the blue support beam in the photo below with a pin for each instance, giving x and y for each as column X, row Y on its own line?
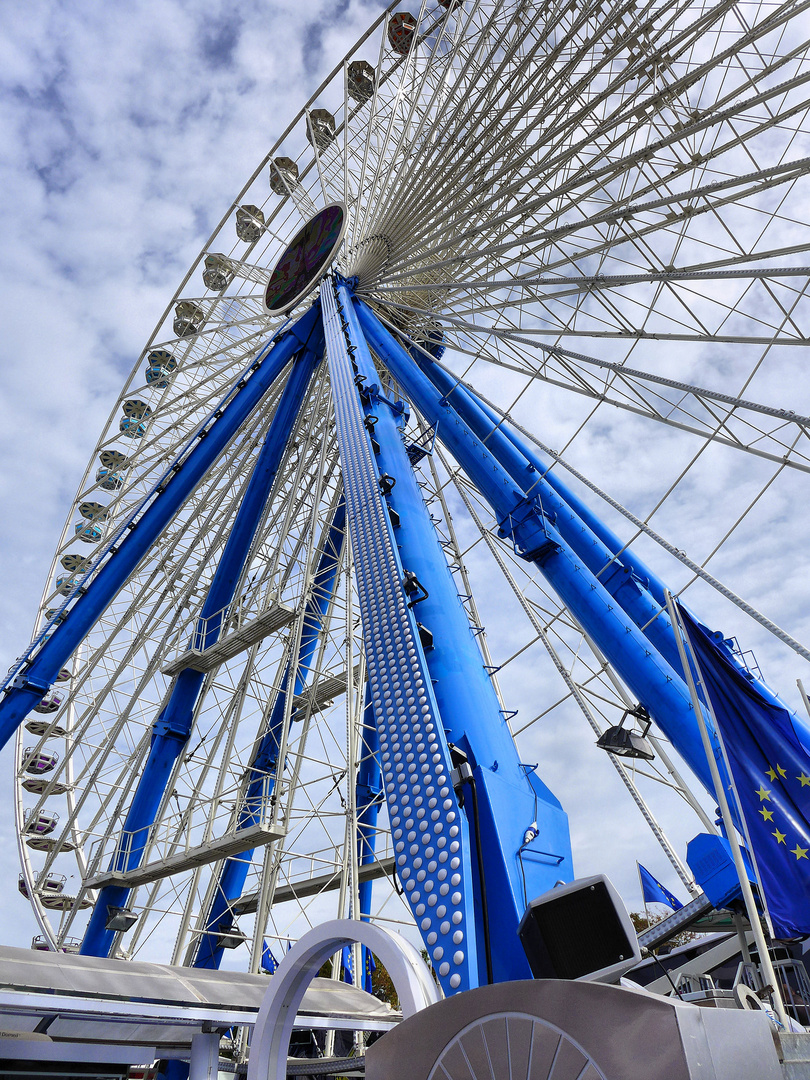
column 619, row 575
column 172, row 728
column 368, row 796
column 508, row 800
column 650, row 677
column 430, row 834
column 264, row 766
column 53, row 654
column 607, row 537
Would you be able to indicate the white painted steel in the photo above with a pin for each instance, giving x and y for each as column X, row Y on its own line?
column 410, row 975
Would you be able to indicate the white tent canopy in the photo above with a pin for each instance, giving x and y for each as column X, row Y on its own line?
column 114, row 1004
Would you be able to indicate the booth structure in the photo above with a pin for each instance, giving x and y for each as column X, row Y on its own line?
column 82, row 1010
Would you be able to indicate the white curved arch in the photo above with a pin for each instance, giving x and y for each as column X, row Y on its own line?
column 271, row 1036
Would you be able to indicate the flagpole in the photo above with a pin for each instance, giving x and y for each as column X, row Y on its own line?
column 725, row 811
column 643, row 897
column 803, row 692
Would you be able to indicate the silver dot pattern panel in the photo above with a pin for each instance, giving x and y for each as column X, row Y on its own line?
column 415, row 761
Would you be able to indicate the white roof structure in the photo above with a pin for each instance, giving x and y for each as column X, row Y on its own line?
column 123, row 1009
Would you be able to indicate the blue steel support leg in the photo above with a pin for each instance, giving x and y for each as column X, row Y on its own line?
column 618, row 575
column 509, row 799
column 264, row 763
column 171, row 729
column 654, row 681
column 430, row 836
column 611, row 541
column 654, row 583
column 368, row 797
column 40, row 674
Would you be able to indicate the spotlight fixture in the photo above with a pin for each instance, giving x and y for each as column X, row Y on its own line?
column 120, row 918
column 625, row 742
column 232, row 938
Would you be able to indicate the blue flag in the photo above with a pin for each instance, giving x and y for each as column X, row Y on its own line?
column 269, row 962
column 347, row 961
column 654, row 892
column 369, row 967
column 771, row 772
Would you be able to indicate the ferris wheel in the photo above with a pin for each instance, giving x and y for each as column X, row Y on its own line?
column 584, row 224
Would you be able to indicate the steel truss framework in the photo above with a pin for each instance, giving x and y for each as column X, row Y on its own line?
column 261, row 663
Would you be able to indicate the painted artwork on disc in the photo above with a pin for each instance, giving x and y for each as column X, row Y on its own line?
column 305, row 258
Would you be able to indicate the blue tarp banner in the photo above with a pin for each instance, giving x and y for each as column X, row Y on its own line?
column 654, row 892
column 771, row 772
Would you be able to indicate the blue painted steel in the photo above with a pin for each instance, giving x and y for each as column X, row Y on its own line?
column 172, row 727
column 368, row 796
column 30, row 686
column 430, row 835
column 263, row 764
column 710, row 860
column 654, row 681
column 618, row 575
column 510, row 800
column 611, row 541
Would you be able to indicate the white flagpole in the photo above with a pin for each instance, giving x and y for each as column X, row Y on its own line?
column 725, row 811
column 643, row 897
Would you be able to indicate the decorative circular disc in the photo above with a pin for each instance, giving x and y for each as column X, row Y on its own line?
column 523, row 1044
column 305, row 258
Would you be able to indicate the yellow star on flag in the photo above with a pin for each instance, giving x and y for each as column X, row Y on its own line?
column 771, row 773
column 782, row 772
column 766, row 813
column 805, row 780
column 763, row 793
column 780, row 838
column 799, row 852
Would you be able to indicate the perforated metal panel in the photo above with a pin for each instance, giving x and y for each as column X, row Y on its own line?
column 415, row 760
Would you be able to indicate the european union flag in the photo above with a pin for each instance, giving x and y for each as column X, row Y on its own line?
column 369, row 967
column 771, row 772
column 654, row 892
column 269, row 962
column 347, row 962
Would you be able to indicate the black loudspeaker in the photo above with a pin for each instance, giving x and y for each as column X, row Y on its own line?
column 579, row 931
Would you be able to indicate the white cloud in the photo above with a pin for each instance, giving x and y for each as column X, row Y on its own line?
column 126, row 130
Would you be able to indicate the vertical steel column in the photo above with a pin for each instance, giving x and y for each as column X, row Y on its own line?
column 369, row 794
column 172, row 727
column 264, row 763
column 648, row 675
column 507, row 800
column 430, row 836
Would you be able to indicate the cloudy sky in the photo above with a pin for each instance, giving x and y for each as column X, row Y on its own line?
column 125, row 132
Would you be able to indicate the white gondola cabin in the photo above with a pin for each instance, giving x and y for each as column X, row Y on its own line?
column 360, row 80
column 283, row 175
column 250, row 221
column 320, row 128
column 401, row 31
column 189, row 318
